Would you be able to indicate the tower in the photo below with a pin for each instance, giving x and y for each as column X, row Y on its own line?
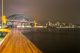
column 35, row 22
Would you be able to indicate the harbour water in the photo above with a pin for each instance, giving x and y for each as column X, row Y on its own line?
column 55, row 40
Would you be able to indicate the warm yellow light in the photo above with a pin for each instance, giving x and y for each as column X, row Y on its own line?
column 4, row 19
column 4, row 30
column 35, row 23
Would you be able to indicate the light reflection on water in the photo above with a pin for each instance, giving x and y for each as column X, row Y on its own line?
column 56, row 41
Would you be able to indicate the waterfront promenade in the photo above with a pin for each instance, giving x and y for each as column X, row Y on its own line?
column 16, row 42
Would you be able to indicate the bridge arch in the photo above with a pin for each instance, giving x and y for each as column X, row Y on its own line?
column 20, row 20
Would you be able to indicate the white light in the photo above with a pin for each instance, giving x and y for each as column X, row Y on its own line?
column 18, row 26
column 23, row 26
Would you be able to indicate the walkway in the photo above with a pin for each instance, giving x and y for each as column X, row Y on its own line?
column 16, row 42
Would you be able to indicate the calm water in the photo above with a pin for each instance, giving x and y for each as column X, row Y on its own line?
column 55, row 40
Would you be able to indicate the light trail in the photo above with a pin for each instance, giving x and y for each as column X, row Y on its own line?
column 16, row 42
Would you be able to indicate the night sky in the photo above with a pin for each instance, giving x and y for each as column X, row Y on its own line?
column 44, row 10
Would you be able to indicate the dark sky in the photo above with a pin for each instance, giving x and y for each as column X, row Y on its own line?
column 54, row 10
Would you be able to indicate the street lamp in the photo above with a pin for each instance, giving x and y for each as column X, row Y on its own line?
column 4, row 20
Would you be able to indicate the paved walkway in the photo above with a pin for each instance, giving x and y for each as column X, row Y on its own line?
column 16, row 42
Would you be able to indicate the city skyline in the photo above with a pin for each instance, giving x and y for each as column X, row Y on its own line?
column 45, row 10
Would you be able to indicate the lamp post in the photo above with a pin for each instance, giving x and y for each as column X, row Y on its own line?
column 2, row 12
column 4, row 20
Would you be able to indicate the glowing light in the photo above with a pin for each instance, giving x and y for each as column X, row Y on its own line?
column 35, row 23
column 4, row 20
column 4, row 30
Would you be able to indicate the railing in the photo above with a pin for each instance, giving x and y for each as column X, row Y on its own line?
column 4, row 30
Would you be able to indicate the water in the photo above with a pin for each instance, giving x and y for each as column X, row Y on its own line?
column 56, row 40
